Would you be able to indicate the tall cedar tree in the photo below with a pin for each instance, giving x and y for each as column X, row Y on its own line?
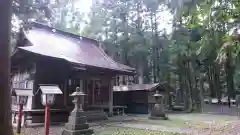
column 5, row 115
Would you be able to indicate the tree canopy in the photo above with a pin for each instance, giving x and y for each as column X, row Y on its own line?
column 193, row 45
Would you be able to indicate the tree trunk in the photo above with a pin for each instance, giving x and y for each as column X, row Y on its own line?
column 154, row 72
column 201, row 91
column 5, row 113
column 188, row 84
column 181, row 81
column 194, row 74
column 210, row 80
column 184, row 70
column 229, row 69
column 179, row 95
column 217, row 82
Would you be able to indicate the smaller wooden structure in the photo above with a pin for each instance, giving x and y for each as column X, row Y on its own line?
column 137, row 98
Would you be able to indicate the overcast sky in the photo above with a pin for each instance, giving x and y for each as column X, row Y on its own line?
column 85, row 6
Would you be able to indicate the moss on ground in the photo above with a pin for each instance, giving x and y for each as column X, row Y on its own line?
column 109, row 130
column 177, row 123
column 129, row 131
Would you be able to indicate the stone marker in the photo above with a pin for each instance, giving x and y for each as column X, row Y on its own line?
column 77, row 121
column 158, row 109
column 178, row 97
column 237, row 102
column 170, row 100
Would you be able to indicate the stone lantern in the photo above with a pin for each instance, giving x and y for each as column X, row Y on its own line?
column 78, row 100
column 158, row 97
column 158, row 109
column 77, row 122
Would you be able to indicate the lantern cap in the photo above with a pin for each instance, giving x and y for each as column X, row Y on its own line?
column 78, row 92
column 22, row 92
column 157, row 94
column 50, row 89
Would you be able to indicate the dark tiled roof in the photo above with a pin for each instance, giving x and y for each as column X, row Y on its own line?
column 75, row 49
column 136, row 87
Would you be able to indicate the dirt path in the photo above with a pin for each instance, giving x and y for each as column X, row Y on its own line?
column 213, row 125
column 230, row 128
column 208, row 124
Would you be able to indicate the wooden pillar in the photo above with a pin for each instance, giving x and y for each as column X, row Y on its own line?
column 110, row 101
column 65, row 92
column 93, row 93
column 5, row 31
column 81, row 84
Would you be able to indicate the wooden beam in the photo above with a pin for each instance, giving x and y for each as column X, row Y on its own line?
column 5, row 113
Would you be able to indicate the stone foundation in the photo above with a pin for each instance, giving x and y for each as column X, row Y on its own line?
column 91, row 115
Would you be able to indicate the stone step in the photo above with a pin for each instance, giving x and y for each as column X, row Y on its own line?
column 96, row 115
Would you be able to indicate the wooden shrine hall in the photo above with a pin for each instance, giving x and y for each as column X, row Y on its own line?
column 45, row 55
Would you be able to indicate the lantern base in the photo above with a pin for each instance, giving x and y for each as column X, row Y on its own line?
column 158, row 112
column 76, row 127
column 158, row 118
column 77, row 124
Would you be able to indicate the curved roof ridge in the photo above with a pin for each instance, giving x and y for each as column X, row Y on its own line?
column 113, row 61
column 62, row 32
column 48, row 42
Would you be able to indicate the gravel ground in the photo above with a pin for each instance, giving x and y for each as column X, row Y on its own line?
column 54, row 130
column 218, row 125
column 232, row 128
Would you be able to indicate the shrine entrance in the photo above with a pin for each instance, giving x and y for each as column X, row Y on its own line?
column 96, row 90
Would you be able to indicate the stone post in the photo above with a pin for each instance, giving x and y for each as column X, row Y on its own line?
column 178, row 97
column 237, row 102
column 77, row 121
column 170, row 100
column 158, row 109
